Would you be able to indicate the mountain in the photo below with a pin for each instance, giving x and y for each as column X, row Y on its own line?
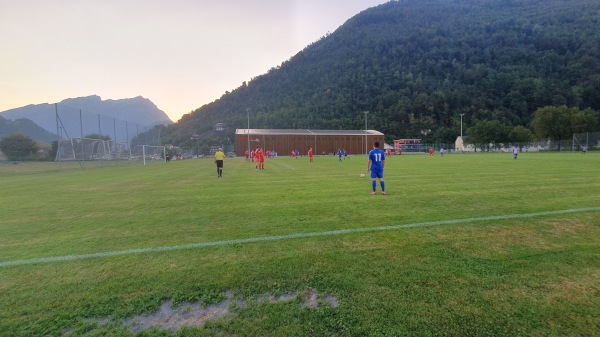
column 115, row 118
column 416, row 66
column 27, row 127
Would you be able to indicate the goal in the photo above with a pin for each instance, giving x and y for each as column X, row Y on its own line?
column 148, row 154
column 86, row 149
column 587, row 141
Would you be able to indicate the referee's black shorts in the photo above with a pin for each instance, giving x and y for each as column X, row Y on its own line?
column 219, row 163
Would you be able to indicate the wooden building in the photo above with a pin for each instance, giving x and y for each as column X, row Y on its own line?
column 283, row 141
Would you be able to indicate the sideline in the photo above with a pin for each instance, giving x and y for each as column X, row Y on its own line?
column 287, row 237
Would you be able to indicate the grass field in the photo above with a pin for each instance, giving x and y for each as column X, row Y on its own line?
column 464, row 245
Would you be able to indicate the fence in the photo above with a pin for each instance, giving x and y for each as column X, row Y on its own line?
column 86, row 149
column 81, row 138
column 581, row 142
column 72, row 123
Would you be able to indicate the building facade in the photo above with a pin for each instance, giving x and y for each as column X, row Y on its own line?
column 283, row 141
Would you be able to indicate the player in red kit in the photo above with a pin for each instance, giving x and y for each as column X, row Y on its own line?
column 258, row 154
column 310, row 154
column 262, row 159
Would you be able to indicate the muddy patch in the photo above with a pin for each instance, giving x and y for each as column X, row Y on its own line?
column 171, row 318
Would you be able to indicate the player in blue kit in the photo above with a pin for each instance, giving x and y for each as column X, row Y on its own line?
column 375, row 165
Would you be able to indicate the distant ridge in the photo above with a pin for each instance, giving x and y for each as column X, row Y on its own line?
column 108, row 117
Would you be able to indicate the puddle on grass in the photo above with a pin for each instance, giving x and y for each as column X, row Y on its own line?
column 170, row 318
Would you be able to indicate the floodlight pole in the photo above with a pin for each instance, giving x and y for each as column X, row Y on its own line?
column 81, row 131
column 127, row 133
column 366, row 133
column 461, row 135
column 115, row 133
column 57, row 157
column 248, row 130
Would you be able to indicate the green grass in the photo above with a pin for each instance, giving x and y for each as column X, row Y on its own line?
column 535, row 276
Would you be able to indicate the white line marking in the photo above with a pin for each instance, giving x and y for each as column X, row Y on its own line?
column 278, row 162
column 287, row 237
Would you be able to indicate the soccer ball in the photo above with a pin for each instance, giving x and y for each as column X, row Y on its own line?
column 362, row 175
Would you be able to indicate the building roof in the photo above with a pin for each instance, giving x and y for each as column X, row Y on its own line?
column 305, row 132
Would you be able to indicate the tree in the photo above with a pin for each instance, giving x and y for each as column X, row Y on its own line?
column 97, row 136
column 584, row 121
column 552, row 122
column 18, row 147
column 444, row 135
column 520, row 134
column 204, row 149
column 487, row 132
column 560, row 123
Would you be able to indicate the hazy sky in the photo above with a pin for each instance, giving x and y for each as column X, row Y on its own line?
column 181, row 54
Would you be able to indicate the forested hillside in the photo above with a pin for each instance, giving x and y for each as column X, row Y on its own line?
column 27, row 127
column 417, row 65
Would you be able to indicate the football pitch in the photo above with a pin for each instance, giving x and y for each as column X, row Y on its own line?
column 462, row 245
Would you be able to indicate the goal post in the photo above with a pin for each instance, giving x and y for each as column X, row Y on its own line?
column 149, row 154
column 88, row 149
column 586, row 141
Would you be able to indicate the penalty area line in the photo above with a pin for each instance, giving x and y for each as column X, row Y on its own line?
column 66, row 258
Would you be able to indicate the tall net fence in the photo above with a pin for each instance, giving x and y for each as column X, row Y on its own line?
column 86, row 149
column 97, row 140
column 72, row 123
column 77, row 137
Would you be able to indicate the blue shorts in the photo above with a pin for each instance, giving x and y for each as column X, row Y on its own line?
column 377, row 174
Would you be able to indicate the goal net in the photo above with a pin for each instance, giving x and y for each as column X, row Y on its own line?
column 86, row 149
column 148, row 154
column 586, row 141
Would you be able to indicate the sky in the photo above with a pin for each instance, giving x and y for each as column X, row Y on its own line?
column 180, row 54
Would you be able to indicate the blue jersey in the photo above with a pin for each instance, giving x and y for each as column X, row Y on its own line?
column 376, row 156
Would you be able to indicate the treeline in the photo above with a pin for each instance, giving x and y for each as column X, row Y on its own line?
column 19, row 147
column 416, row 66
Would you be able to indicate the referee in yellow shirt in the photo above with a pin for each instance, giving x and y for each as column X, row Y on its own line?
column 219, row 156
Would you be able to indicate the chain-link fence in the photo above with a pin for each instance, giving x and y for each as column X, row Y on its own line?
column 583, row 142
column 545, row 146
